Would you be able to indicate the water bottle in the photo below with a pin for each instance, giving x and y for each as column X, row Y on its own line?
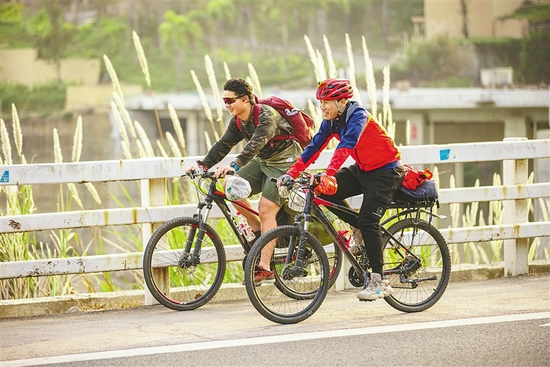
column 245, row 227
column 342, row 231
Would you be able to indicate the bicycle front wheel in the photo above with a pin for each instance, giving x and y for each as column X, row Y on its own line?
column 299, row 286
column 180, row 275
column 418, row 265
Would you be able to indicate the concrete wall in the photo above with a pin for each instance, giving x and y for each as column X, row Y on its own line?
column 445, row 17
column 21, row 66
column 87, row 96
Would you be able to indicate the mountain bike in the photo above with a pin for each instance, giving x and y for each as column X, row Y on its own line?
column 417, row 262
column 184, row 261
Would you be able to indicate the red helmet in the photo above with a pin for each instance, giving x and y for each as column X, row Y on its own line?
column 334, row 89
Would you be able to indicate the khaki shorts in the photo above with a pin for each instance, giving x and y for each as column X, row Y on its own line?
column 258, row 175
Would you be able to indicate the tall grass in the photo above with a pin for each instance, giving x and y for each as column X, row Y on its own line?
column 24, row 246
column 145, row 70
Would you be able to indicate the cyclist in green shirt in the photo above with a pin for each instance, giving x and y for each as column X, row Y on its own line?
column 263, row 156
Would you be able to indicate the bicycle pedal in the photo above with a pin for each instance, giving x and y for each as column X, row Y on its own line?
column 366, row 300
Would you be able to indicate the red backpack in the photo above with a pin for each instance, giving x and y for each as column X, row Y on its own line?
column 301, row 123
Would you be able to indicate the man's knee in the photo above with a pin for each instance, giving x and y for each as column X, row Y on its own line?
column 267, row 208
column 368, row 223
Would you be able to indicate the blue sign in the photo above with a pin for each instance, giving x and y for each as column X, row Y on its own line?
column 5, row 177
column 444, row 154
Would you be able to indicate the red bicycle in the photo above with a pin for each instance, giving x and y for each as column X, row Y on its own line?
column 416, row 258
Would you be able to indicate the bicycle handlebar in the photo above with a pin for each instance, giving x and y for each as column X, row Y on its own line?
column 303, row 180
column 199, row 172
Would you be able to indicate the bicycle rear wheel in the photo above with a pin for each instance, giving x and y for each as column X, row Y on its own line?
column 298, row 290
column 420, row 275
column 174, row 276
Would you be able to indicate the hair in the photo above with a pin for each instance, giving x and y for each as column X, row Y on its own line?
column 240, row 87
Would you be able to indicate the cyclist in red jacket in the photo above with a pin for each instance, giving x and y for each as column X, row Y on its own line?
column 377, row 172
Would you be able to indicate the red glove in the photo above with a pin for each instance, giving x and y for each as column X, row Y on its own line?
column 327, row 185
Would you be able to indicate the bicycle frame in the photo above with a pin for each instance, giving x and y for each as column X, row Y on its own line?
column 312, row 208
column 218, row 197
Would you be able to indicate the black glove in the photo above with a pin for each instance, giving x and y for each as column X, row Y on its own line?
column 285, row 180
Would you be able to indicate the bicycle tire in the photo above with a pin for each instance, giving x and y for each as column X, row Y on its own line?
column 178, row 283
column 422, row 284
column 288, row 299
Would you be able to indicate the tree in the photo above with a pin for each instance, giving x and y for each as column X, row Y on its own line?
column 218, row 11
column 179, row 32
column 534, row 57
column 464, row 12
column 51, row 33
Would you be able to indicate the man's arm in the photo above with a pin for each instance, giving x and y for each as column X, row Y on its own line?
column 231, row 137
column 313, row 150
column 265, row 131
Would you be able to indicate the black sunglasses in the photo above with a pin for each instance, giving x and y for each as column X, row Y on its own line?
column 231, row 100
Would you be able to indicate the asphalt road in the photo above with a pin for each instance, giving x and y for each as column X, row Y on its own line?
column 499, row 322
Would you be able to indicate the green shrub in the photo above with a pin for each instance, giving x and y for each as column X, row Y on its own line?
column 13, row 93
column 43, row 99
column 434, row 60
column 49, row 97
column 535, row 58
column 498, row 52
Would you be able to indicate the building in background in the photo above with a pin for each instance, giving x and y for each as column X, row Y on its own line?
column 474, row 18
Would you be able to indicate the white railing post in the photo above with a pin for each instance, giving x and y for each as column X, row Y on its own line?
column 515, row 212
column 342, row 281
column 152, row 194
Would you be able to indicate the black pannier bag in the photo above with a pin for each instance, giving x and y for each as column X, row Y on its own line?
column 417, row 186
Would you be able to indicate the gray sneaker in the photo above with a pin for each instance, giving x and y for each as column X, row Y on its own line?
column 356, row 245
column 376, row 288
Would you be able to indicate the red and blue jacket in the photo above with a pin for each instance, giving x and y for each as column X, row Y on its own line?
column 360, row 136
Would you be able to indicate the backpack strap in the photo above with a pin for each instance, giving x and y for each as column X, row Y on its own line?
column 256, row 111
column 257, row 108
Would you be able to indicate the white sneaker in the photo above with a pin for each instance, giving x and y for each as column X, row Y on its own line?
column 376, row 288
column 356, row 245
column 386, row 287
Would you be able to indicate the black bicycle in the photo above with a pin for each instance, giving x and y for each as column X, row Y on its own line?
column 416, row 258
column 184, row 261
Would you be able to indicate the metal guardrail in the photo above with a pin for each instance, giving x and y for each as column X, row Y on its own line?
column 154, row 172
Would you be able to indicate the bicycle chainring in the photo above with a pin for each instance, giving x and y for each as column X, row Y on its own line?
column 355, row 279
column 410, row 265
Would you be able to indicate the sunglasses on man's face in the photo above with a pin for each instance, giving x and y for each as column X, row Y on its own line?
column 230, row 100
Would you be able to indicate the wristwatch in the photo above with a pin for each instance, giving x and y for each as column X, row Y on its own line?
column 234, row 165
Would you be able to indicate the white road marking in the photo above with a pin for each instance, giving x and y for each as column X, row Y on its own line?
column 272, row 339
